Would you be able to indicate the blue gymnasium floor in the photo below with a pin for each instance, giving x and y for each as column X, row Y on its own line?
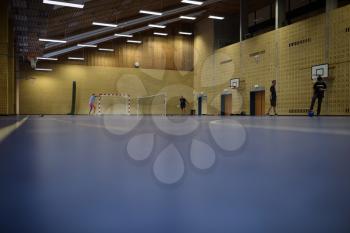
column 62, row 174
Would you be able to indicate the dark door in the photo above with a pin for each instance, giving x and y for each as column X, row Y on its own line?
column 200, row 103
column 223, row 105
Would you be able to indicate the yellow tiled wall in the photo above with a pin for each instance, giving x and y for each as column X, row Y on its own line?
column 285, row 55
column 51, row 93
column 7, row 76
column 4, row 58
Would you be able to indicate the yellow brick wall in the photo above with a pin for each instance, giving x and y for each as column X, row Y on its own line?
column 51, row 93
column 338, row 96
column 289, row 65
column 294, row 80
column 3, row 58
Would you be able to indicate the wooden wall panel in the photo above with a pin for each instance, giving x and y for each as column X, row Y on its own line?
column 51, row 92
column 6, row 75
column 167, row 53
column 301, row 46
column 338, row 95
column 286, row 55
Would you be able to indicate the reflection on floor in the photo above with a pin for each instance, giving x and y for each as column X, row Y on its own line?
column 180, row 174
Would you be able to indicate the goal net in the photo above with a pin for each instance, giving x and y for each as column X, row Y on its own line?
column 111, row 104
column 152, row 105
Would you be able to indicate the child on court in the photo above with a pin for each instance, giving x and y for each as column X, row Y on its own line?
column 92, row 103
column 273, row 98
column 319, row 89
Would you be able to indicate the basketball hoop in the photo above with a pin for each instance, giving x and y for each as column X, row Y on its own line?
column 257, row 59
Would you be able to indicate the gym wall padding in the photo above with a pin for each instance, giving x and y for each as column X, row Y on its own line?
column 285, row 55
column 51, row 92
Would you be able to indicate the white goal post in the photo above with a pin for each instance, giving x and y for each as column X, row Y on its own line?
column 114, row 104
column 152, row 105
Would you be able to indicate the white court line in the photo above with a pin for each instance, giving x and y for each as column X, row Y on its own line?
column 6, row 131
column 290, row 128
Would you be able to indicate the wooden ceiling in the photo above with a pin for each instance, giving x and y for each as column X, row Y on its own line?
column 47, row 21
column 65, row 22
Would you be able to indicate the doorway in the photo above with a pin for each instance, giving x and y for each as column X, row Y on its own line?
column 226, row 105
column 257, row 103
column 202, row 105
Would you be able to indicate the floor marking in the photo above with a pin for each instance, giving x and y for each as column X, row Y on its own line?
column 293, row 129
column 6, row 131
column 87, row 125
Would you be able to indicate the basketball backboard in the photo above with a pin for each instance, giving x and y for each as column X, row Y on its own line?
column 234, row 83
column 320, row 70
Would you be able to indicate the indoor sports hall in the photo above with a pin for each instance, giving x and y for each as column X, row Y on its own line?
column 174, row 116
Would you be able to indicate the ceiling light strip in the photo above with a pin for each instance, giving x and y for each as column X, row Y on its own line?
column 87, row 45
column 134, row 22
column 160, row 34
column 150, row 12
column 188, row 17
column 216, row 17
column 156, row 26
column 76, row 58
column 186, row 33
column 197, row 3
column 43, row 69
column 106, row 50
column 105, row 24
column 53, row 40
column 66, row 4
column 123, row 35
column 47, row 58
column 109, row 38
column 134, row 41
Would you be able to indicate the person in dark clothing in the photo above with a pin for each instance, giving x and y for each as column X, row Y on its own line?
column 273, row 98
column 183, row 103
column 319, row 89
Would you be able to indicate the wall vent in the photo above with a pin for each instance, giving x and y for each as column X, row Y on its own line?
column 347, row 29
column 225, row 62
column 257, row 53
column 347, row 110
column 300, row 42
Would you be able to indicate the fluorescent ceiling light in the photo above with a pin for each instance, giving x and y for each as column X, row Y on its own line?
column 105, row 24
column 216, row 17
column 43, row 69
column 123, row 35
column 58, row 3
column 188, row 17
column 160, row 34
column 47, row 58
column 150, row 12
column 156, row 26
column 185, row 33
column 53, row 41
column 107, row 50
column 198, row 3
column 87, row 45
column 134, row 41
column 76, row 58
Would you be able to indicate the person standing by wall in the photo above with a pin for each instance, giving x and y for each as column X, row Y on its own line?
column 319, row 89
column 273, row 98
